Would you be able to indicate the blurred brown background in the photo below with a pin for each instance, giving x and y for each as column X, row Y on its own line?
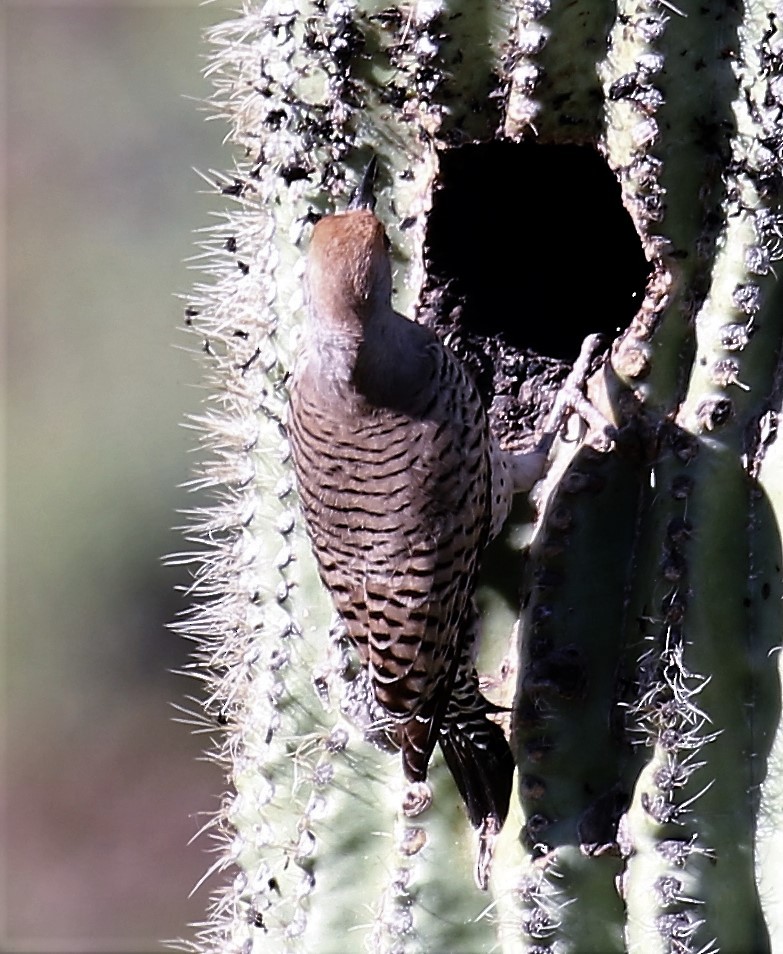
column 101, row 790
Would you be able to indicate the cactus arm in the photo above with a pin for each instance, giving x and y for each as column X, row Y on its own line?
column 717, row 701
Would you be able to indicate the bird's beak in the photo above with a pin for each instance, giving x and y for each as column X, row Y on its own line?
column 364, row 197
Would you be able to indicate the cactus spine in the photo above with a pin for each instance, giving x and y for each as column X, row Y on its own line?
column 647, row 712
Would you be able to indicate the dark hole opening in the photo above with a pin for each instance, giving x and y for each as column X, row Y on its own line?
column 534, row 243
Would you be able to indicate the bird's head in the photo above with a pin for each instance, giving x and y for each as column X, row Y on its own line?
column 348, row 270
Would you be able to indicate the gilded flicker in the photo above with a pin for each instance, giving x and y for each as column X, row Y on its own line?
column 397, row 475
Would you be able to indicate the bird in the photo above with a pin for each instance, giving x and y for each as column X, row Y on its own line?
column 402, row 485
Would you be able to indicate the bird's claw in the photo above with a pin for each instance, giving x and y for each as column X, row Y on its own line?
column 488, row 834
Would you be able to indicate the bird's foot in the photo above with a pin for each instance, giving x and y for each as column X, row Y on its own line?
column 488, row 834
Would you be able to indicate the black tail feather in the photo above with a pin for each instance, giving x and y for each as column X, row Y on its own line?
column 416, row 741
column 479, row 758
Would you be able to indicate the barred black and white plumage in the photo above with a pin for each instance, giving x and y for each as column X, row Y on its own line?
column 392, row 455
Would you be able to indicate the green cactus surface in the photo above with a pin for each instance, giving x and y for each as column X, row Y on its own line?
column 632, row 615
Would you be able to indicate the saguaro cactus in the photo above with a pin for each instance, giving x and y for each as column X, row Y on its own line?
column 646, row 712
